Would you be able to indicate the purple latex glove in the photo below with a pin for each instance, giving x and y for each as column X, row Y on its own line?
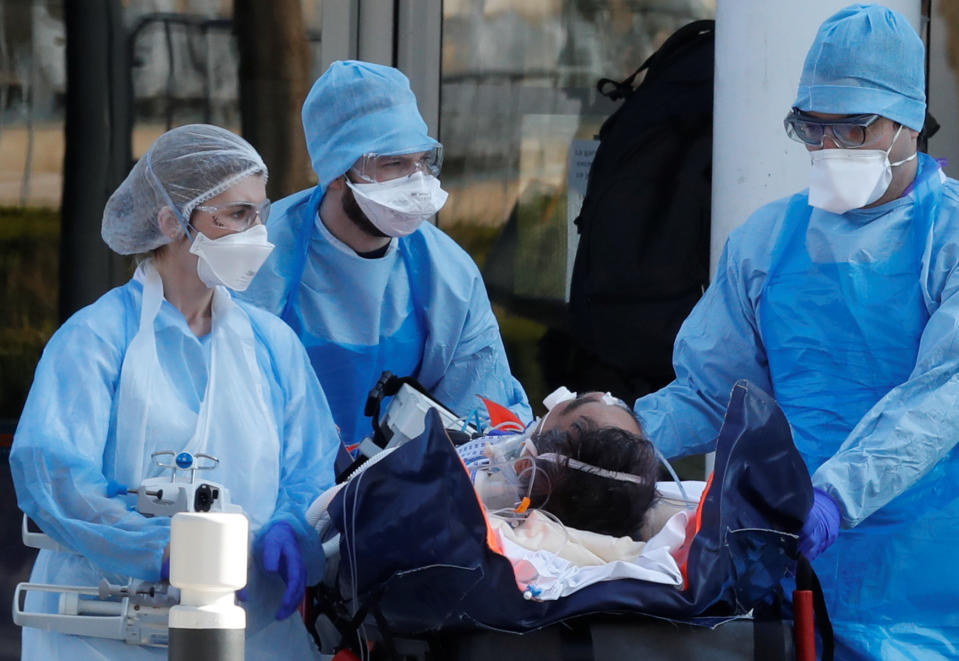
column 281, row 554
column 821, row 527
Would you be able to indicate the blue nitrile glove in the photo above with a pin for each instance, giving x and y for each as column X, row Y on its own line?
column 821, row 527
column 114, row 488
column 281, row 554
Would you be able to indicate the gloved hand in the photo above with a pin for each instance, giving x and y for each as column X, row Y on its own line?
column 114, row 488
column 165, row 564
column 281, row 554
column 821, row 527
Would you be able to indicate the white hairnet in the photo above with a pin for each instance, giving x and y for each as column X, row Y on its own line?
column 184, row 167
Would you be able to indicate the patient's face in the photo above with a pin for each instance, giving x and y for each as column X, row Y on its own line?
column 590, row 407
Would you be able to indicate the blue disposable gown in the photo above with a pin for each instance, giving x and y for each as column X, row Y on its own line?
column 67, row 447
column 421, row 310
column 851, row 321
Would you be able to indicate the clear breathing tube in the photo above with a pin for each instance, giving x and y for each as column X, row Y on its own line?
column 682, row 490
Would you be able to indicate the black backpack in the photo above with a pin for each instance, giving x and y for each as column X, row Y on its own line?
column 643, row 255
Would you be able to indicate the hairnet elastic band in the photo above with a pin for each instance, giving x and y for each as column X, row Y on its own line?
column 226, row 185
column 589, row 468
column 155, row 180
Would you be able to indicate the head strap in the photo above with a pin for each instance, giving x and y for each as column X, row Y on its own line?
column 589, row 468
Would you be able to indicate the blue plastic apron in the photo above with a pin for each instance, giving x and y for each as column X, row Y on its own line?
column 347, row 372
column 838, row 337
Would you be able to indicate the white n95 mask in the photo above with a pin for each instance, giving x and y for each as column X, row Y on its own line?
column 232, row 260
column 398, row 206
column 846, row 179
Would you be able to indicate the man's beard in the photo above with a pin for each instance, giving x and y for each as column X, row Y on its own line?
column 354, row 213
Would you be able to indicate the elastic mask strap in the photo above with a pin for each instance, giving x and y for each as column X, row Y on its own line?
column 176, row 210
column 905, row 160
column 530, row 448
column 589, row 468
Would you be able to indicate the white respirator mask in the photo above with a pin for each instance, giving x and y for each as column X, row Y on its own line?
column 398, row 206
column 232, row 260
column 846, row 179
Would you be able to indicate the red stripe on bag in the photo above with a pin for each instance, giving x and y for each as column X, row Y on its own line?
column 692, row 529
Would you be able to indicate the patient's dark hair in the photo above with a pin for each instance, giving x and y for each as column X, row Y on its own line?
column 587, row 501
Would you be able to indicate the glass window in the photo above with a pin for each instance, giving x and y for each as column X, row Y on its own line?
column 943, row 86
column 519, row 110
column 518, row 113
column 32, row 89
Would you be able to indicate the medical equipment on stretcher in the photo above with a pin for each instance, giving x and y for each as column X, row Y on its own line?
column 405, row 417
column 403, row 420
column 138, row 612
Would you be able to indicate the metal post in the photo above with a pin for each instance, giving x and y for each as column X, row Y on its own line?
column 98, row 152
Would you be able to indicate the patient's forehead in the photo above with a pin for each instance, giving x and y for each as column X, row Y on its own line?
column 590, row 406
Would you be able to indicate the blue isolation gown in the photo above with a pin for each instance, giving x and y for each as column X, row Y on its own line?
column 852, row 322
column 420, row 310
column 125, row 377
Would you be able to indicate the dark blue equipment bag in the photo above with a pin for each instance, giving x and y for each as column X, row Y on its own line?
column 414, row 557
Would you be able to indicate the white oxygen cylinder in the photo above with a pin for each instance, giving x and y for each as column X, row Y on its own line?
column 208, row 563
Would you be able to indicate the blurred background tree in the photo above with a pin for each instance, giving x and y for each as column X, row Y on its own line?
column 275, row 76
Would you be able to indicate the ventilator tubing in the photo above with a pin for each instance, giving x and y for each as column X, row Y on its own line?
column 208, row 563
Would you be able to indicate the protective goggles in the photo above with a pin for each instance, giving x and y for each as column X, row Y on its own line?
column 373, row 168
column 237, row 216
column 847, row 132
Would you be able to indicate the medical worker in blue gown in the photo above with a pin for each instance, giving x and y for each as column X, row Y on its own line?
column 367, row 284
column 842, row 301
column 171, row 361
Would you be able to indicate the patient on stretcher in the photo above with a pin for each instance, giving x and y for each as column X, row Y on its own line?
column 587, row 463
column 574, row 498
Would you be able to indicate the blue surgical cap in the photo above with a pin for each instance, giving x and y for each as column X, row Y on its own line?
column 357, row 108
column 866, row 59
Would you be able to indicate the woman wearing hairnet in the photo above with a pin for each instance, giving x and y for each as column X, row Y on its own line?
column 843, row 301
column 170, row 361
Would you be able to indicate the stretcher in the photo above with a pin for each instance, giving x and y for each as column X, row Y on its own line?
column 412, row 566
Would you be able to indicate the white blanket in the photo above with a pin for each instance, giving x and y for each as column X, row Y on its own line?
column 551, row 560
column 544, row 574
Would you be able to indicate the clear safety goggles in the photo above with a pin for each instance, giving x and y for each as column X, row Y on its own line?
column 237, row 216
column 847, row 132
column 373, row 168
